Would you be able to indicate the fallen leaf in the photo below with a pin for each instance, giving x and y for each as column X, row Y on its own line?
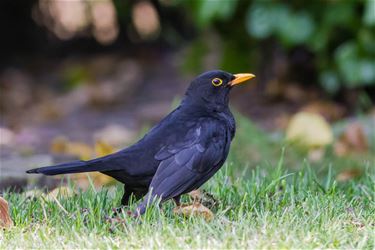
column 5, row 220
column 195, row 209
column 61, row 145
column 203, row 197
column 98, row 179
column 103, row 149
column 62, row 192
column 309, row 130
column 352, row 140
column 348, row 174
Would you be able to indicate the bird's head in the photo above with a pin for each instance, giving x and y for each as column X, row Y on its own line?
column 212, row 88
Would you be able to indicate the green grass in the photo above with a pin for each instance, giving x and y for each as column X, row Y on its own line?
column 278, row 200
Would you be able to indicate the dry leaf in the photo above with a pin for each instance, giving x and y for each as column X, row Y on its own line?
column 61, row 145
column 309, row 130
column 348, row 174
column 5, row 220
column 98, row 179
column 103, row 149
column 195, row 209
column 203, row 197
column 63, row 192
column 352, row 140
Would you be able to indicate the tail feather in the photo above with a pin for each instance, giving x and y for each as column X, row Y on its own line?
column 67, row 168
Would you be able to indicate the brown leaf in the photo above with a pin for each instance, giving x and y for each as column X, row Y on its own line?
column 5, row 220
column 203, row 197
column 103, row 149
column 98, row 179
column 61, row 145
column 352, row 140
column 348, row 174
column 195, row 209
column 309, row 130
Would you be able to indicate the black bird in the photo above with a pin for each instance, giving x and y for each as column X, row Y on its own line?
column 180, row 153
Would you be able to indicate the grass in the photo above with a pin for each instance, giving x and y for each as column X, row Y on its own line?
column 278, row 200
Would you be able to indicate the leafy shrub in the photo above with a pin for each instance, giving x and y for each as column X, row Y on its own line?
column 341, row 34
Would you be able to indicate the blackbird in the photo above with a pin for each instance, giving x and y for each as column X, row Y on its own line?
column 177, row 155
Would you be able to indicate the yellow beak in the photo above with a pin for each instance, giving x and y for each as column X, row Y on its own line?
column 240, row 78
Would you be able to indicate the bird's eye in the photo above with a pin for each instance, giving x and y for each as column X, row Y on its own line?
column 217, row 82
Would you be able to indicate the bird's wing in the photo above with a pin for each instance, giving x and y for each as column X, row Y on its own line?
column 190, row 161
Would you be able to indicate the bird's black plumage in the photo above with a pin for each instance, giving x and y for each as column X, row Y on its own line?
column 180, row 153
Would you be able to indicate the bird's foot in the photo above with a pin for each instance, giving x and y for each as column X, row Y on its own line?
column 119, row 210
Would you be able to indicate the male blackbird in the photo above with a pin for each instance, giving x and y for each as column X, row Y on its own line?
column 180, row 153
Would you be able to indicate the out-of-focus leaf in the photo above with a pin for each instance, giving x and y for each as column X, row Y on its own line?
column 367, row 71
column 263, row 20
column 352, row 140
column 195, row 209
column 103, row 149
column 295, row 28
column 348, row 174
column 346, row 59
column 207, row 11
column 260, row 21
column 330, row 81
column 369, row 15
column 61, row 145
column 5, row 220
column 338, row 14
column 309, row 130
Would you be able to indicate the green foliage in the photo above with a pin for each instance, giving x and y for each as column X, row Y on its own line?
column 341, row 34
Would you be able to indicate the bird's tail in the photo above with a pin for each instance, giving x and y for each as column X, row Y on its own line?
column 67, row 168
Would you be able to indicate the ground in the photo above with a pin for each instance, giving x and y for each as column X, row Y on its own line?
column 277, row 200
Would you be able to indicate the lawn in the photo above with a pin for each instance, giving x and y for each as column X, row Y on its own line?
column 266, row 196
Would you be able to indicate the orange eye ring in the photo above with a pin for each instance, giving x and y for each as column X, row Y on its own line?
column 217, row 82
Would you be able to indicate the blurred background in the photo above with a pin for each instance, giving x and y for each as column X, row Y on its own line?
column 80, row 79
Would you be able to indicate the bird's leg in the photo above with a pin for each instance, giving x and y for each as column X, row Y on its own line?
column 176, row 200
column 126, row 197
column 124, row 200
